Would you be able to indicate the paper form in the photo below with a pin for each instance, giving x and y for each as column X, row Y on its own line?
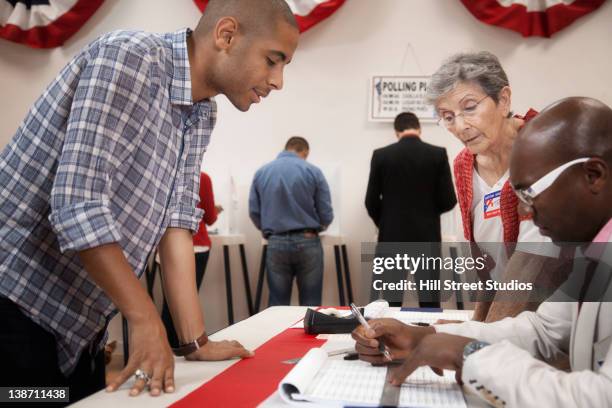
column 333, row 382
column 429, row 317
column 424, row 388
column 335, row 337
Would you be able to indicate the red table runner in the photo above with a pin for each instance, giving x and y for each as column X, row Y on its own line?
column 250, row 381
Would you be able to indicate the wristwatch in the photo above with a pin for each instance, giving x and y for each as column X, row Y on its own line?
column 472, row 347
column 188, row 348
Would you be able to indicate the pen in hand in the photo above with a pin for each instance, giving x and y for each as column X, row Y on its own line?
column 381, row 346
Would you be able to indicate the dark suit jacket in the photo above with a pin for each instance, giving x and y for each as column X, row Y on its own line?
column 410, row 186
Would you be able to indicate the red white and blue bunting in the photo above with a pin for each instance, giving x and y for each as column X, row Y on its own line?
column 44, row 23
column 540, row 18
column 307, row 12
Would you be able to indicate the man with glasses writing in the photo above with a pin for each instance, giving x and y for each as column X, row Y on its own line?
column 561, row 169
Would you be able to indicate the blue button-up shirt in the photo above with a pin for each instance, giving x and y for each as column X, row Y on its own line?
column 110, row 152
column 289, row 194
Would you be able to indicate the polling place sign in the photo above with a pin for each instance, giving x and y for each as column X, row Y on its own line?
column 391, row 95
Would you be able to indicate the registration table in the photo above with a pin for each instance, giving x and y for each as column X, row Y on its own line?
column 252, row 333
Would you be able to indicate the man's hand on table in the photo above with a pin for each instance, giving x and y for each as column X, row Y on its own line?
column 149, row 349
column 220, row 350
column 417, row 346
column 150, row 353
column 440, row 351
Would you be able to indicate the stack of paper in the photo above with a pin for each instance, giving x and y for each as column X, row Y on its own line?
column 332, row 382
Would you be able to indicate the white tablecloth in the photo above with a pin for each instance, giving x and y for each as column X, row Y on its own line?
column 189, row 375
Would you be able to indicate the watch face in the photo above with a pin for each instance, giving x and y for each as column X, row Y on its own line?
column 473, row 346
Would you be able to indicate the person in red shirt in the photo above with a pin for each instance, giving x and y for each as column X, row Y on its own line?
column 201, row 246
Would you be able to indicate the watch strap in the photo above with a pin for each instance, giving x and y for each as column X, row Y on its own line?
column 188, row 348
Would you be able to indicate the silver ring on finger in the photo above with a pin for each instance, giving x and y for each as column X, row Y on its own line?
column 141, row 375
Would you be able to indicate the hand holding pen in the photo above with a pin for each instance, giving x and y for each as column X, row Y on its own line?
column 395, row 338
column 381, row 346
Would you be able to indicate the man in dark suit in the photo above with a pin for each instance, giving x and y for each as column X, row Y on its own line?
column 410, row 185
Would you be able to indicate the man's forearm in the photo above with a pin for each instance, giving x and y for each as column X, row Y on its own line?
column 522, row 267
column 178, row 267
column 481, row 310
column 111, row 271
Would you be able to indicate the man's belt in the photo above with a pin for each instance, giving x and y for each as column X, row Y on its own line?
column 298, row 231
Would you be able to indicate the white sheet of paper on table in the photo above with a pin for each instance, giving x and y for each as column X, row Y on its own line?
column 320, row 379
column 429, row 317
column 335, row 337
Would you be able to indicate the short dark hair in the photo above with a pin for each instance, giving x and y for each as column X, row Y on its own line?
column 297, row 143
column 253, row 15
column 405, row 121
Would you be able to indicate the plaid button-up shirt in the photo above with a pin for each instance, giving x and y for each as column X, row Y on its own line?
column 110, row 152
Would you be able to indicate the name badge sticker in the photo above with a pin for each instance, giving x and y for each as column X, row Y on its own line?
column 492, row 204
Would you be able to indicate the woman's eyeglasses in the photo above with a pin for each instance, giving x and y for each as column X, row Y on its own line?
column 448, row 118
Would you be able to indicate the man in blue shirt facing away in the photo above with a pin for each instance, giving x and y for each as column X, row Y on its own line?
column 290, row 204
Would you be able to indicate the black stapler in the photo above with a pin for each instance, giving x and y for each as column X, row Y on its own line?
column 321, row 323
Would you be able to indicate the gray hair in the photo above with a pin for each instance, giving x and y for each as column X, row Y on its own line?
column 481, row 68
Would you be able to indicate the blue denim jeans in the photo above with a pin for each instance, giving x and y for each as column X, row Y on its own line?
column 299, row 256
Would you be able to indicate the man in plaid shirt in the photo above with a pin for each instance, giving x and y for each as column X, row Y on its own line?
column 105, row 168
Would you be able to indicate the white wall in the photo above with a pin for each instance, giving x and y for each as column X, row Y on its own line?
column 325, row 96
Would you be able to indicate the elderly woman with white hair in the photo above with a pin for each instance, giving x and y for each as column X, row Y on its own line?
column 472, row 97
